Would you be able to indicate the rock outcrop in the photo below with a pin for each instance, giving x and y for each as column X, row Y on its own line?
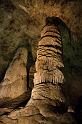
column 47, row 104
column 13, row 88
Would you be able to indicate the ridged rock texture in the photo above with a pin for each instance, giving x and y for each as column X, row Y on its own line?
column 13, row 88
column 47, row 104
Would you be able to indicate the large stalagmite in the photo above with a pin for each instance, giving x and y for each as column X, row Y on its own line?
column 47, row 104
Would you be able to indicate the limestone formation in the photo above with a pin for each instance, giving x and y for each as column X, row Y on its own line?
column 48, row 76
column 47, row 104
column 15, row 82
column 49, row 57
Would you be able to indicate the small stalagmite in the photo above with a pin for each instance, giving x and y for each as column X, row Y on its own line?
column 15, row 82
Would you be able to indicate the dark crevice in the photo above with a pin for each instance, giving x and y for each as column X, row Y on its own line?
column 78, row 110
column 7, row 5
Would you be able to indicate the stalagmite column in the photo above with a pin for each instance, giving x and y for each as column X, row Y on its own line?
column 49, row 61
column 49, row 57
column 47, row 94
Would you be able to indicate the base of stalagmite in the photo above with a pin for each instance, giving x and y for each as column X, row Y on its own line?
column 32, row 115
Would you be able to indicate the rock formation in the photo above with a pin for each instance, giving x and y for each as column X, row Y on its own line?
column 14, row 85
column 47, row 104
column 22, row 20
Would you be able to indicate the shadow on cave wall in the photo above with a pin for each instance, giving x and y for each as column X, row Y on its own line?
column 78, row 110
column 7, row 5
column 72, row 58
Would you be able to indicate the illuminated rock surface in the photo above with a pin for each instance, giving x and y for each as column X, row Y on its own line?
column 13, row 88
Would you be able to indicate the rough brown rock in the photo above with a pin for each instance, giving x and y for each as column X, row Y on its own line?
column 14, row 84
